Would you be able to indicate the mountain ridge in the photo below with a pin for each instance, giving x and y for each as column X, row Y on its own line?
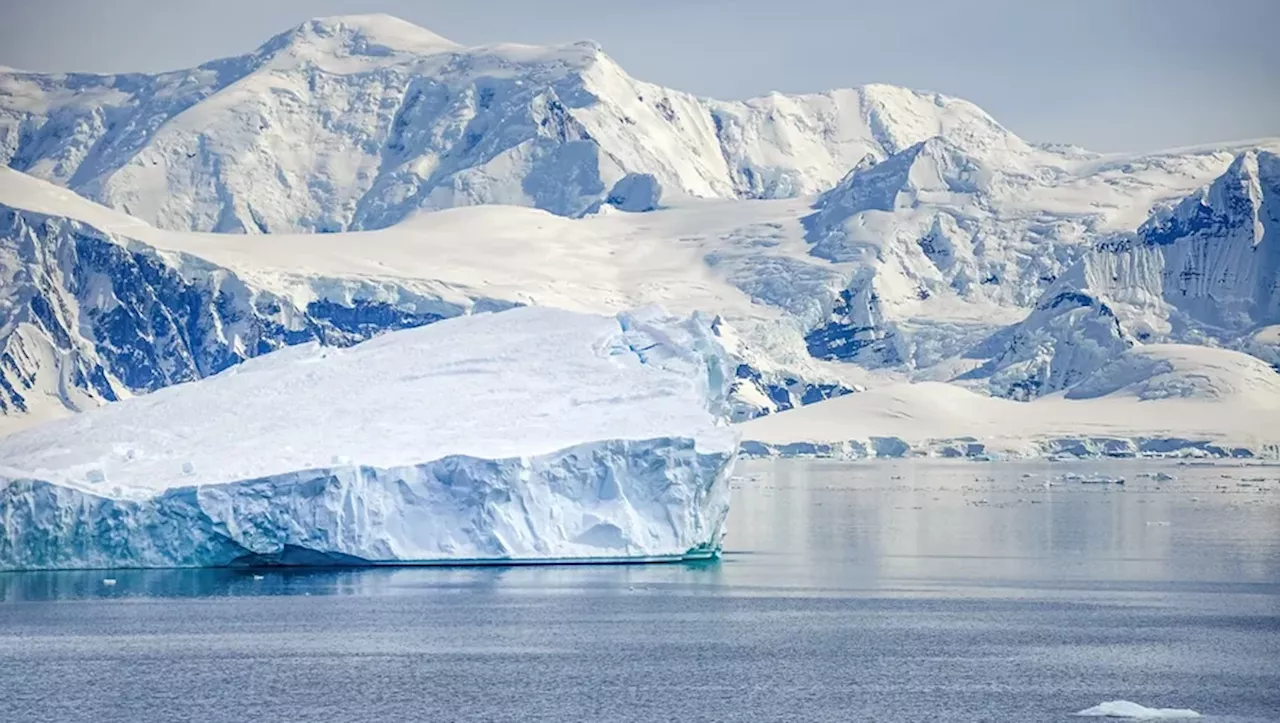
column 326, row 127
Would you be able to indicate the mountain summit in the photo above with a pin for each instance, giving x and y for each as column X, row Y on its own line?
column 356, row 122
column 343, row 36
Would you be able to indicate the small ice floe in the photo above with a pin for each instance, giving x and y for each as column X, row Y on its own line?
column 1127, row 709
column 1094, row 479
column 257, row 577
column 1157, row 523
column 340, row 459
column 95, row 476
column 188, row 468
column 108, row 581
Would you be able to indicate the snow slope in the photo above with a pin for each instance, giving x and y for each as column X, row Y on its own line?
column 1206, row 271
column 1171, row 371
column 89, row 314
column 354, row 122
column 97, row 289
column 1158, row 399
column 526, row 434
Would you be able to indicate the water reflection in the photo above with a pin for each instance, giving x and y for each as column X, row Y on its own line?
column 877, row 525
column 809, row 527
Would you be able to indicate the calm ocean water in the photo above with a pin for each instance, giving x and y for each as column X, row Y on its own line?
column 849, row 592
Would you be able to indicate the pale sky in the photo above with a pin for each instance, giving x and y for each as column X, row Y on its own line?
column 1104, row 74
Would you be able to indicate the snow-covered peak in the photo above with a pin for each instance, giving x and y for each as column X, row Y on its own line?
column 357, row 122
column 906, row 116
column 1244, row 199
column 932, row 168
column 342, row 36
column 1205, row 271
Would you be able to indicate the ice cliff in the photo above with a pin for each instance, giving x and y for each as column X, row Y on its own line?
column 527, row 435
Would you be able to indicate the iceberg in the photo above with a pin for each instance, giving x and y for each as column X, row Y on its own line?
column 529, row 435
column 1127, row 709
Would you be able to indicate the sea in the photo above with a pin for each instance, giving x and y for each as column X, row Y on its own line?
column 912, row 591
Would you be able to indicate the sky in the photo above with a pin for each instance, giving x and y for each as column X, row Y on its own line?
column 1109, row 75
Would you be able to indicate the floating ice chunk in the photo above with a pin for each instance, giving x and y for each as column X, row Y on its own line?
column 1095, row 479
column 529, row 435
column 95, row 476
column 108, row 581
column 1127, row 709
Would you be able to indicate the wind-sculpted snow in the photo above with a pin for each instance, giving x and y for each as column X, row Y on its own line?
column 356, row 122
column 458, row 441
column 1206, row 271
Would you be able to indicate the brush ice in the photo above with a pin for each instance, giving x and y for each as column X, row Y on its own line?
column 532, row 434
column 1126, row 709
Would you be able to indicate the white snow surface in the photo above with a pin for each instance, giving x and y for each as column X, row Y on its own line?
column 529, row 434
column 1171, row 371
column 904, row 231
column 744, row 261
column 1127, row 709
column 1162, row 399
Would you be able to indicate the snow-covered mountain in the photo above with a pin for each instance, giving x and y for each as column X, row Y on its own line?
column 950, row 241
column 1206, row 271
column 88, row 314
column 845, row 239
column 97, row 306
column 355, row 122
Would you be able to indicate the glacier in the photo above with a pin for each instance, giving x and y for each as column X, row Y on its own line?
column 526, row 435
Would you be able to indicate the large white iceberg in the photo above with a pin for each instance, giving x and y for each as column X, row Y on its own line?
column 528, row 435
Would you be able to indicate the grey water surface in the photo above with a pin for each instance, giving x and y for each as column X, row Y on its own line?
column 907, row 591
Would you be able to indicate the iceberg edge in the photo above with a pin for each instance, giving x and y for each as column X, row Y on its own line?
column 655, row 500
